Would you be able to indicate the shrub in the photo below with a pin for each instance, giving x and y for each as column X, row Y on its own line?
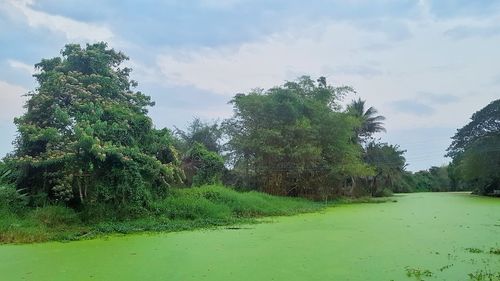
column 12, row 200
column 53, row 216
column 184, row 205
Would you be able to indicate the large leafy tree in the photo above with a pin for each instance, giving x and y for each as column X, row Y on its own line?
column 370, row 122
column 85, row 137
column 293, row 140
column 475, row 150
column 485, row 122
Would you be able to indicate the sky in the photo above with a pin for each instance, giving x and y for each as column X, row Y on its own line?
column 426, row 65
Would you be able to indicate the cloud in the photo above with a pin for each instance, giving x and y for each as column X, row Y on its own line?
column 464, row 32
column 267, row 62
column 355, row 70
column 438, row 99
column 412, row 107
column 70, row 28
column 11, row 101
column 21, row 66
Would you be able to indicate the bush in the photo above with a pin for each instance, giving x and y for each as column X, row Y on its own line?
column 218, row 202
column 53, row 216
column 192, row 206
column 386, row 192
column 12, row 200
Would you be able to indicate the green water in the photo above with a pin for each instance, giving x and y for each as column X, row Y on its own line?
column 349, row 242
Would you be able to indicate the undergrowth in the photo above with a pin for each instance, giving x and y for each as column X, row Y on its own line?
column 182, row 209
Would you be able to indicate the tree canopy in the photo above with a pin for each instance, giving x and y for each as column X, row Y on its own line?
column 294, row 140
column 370, row 122
column 85, row 136
column 475, row 150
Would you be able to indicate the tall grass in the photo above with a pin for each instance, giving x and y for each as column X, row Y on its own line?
column 183, row 209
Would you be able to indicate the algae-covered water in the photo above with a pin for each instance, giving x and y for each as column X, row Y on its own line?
column 438, row 232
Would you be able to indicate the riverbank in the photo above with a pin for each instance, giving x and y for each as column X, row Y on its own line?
column 183, row 209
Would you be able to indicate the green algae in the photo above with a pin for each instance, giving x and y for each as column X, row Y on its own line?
column 425, row 231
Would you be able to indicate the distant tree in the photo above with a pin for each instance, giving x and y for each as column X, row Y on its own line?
column 202, row 166
column 370, row 122
column 389, row 164
column 85, row 137
column 198, row 131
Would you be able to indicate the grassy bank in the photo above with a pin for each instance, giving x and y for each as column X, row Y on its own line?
column 184, row 209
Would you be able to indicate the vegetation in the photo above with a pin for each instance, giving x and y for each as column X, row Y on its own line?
column 88, row 158
column 85, row 138
column 475, row 151
column 183, row 209
column 295, row 140
column 370, row 123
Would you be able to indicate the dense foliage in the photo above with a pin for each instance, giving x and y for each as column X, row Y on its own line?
column 476, row 152
column 370, row 122
column 294, row 140
column 389, row 164
column 207, row 134
column 85, row 137
column 86, row 151
column 202, row 166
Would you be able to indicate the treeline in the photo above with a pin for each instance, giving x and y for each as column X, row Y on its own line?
column 475, row 153
column 86, row 142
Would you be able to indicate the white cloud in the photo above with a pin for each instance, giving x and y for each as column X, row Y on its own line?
column 427, row 61
column 11, row 101
column 268, row 62
column 21, row 66
column 72, row 29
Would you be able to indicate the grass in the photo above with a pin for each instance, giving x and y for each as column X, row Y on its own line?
column 183, row 209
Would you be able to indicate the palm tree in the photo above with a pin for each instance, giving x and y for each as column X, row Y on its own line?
column 370, row 122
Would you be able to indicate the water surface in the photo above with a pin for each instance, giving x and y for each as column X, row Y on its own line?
column 349, row 242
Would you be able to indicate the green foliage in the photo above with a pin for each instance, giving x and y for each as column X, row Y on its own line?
column 484, row 275
column 183, row 209
column 202, row 166
column 480, row 165
column 485, row 122
column 495, row 251
column 293, row 140
column 474, row 250
column 11, row 200
column 476, row 152
column 86, row 138
column 370, row 122
column 434, row 179
column 418, row 273
column 52, row 216
column 200, row 132
column 389, row 164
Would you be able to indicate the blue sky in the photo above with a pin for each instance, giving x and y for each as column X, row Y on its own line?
column 426, row 65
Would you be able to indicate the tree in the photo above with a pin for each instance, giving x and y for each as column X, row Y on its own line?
column 480, row 165
column 475, row 150
column 293, row 140
column 370, row 122
column 202, row 166
column 485, row 122
column 85, row 137
column 389, row 164
column 198, row 131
